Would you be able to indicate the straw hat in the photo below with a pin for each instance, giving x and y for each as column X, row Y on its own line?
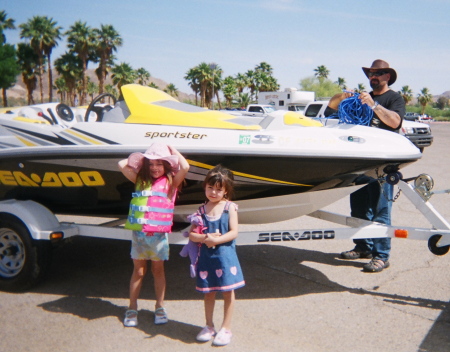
column 381, row 65
column 157, row 151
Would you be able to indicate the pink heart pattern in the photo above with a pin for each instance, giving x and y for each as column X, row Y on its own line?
column 233, row 270
column 203, row 274
column 219, row 272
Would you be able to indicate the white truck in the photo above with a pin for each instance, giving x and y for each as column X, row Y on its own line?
column 290, row 99
column 418, row 133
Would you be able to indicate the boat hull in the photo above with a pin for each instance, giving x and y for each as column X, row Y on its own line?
column 76, row 182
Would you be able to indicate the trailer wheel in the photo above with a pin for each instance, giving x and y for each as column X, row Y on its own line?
column 432, row 241
column 23, row 261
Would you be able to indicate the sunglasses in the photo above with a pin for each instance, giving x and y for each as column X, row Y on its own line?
column 376, row 74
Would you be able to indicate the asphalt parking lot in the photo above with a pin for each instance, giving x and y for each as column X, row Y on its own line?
column 298, row 297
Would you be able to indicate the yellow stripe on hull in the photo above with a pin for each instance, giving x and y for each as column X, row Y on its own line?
column 241, row 174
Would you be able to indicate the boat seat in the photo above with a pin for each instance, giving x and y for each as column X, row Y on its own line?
column 119, row 113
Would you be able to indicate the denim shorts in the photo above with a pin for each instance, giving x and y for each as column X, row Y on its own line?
column 145, row 247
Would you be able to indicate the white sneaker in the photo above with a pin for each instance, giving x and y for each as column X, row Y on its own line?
column 130, row 318
column 223, row 337
column 206, row 334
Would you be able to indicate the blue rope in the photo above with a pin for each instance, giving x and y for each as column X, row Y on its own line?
column 352, row 111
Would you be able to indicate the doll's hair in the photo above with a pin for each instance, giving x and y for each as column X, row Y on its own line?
column 223, row 177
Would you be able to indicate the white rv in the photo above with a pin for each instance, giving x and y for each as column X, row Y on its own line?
column 291, row 99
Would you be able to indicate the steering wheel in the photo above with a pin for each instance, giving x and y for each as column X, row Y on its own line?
column 99, row 110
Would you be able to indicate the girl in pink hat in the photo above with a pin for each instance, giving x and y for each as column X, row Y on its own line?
column 157, row 174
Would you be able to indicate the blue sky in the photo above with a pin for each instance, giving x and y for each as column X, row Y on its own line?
column 168, row 37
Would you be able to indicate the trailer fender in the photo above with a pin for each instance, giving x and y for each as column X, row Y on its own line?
column 39, row 220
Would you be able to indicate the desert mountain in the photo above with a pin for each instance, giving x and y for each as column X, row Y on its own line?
column 19, row 89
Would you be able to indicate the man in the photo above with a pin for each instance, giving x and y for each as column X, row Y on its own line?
column 373, row 201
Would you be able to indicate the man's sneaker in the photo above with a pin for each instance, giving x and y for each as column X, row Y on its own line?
column 355, row 255
column 376, row 265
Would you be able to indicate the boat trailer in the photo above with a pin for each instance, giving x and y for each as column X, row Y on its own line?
column 418, row 193
column 28, row 230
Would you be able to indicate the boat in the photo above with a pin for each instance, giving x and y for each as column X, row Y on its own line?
column 285, row 164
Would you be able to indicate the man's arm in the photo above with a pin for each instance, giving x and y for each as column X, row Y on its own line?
column 389, row 117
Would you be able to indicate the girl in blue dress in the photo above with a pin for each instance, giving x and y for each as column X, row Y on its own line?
column 218, row 267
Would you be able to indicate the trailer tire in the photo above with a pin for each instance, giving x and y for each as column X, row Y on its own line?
column 23, row 261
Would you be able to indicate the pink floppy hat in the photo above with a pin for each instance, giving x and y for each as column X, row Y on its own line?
column 157, row 151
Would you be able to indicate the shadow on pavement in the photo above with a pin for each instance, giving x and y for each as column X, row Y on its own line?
column 87, row 269
column 96, row 308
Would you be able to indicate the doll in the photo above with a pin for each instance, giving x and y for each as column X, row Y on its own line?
column 192, row 249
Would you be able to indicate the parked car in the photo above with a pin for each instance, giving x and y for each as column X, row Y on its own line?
column 418, row 133
column 412, row 116
column 425, row 117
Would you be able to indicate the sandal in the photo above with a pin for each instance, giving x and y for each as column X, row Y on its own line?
column 353, row 254
column 223, row 337
column 376, row 265
column 130, row 318
column 206, row 334
column 161, row 316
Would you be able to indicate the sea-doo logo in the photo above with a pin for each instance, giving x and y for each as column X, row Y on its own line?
column 52, row 179
column 295, row 236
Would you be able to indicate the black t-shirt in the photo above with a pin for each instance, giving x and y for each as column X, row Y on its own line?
column 392, row 101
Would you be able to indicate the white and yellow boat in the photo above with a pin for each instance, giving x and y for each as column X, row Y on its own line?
column 285, row 164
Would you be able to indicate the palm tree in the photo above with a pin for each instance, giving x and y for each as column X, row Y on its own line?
column 406, row 94
column 153, row 85
column 82, row 40
column 52, row 33
column 5, row 23
column 43, row 34
column 250, row 77
column 424, row 97
column 361, row 88
column 215, row 83
column 61, row 88
column 28, row 61
column 191, row 77
column 269, row 84
column 172, row 90
column 35, row 31
column 229, row 90
column 264, row 67
column 9, row 69
column 321, row 72
column 142, row 76
column 109, row 88
column 91, row 89
column 70, row 67
column 108, row 40
column 341, row 83
column 204, row 77
column 243, row 99
column 241, row 82
column 123, row 74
